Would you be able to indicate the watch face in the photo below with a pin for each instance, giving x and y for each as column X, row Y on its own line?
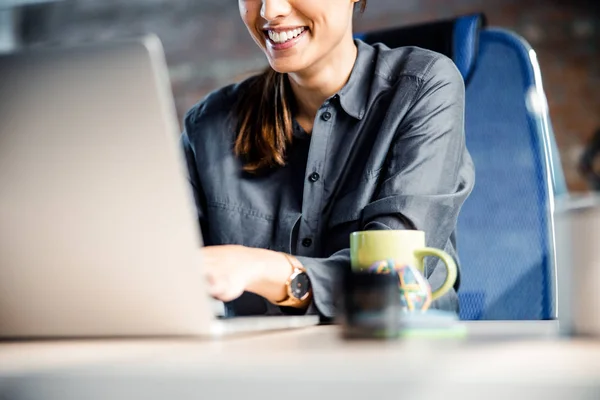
column 300, row 286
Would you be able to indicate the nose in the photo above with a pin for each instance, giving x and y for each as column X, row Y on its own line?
column 274, row 9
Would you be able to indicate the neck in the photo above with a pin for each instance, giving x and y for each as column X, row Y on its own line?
column 323, row 79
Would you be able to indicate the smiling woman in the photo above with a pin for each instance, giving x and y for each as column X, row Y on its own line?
column 336, row 136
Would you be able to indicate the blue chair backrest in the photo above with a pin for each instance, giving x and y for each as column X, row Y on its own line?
column 505, row 229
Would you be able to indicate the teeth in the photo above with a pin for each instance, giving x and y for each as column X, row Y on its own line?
column 282, row 37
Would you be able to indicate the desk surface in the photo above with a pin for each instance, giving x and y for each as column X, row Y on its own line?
column 529, row 355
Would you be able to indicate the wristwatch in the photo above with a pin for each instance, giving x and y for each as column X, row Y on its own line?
column 298, row 285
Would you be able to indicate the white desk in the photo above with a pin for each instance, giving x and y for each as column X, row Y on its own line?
column 312, row 362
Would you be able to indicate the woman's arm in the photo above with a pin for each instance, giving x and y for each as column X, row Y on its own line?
column 190, row 159
column 231, row 270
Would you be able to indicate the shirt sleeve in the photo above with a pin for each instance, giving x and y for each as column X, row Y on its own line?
column 190, row 158
column 428, row 176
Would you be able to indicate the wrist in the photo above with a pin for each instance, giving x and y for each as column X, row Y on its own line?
column 271, row 272
column 298, row 287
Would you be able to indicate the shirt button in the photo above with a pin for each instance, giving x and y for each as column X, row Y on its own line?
column 307, row 242
column 326, row 116
column 314, row 177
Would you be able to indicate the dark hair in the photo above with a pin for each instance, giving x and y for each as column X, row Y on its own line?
column 264, row 115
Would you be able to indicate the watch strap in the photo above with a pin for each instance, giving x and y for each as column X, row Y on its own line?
column 290, row 300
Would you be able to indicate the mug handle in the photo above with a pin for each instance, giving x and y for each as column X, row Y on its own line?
column 450, row 267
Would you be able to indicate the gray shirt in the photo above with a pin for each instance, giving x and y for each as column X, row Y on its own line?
column 386, row 152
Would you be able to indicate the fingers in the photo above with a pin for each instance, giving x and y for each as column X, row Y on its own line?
column 216, row 288
column 223, row 287
column 226, row 275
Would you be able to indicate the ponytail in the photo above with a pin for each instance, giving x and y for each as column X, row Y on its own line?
column 265, row 123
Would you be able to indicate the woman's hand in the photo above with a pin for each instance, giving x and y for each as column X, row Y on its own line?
column 231, row 270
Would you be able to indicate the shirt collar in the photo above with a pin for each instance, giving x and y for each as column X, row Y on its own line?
column 354, row 96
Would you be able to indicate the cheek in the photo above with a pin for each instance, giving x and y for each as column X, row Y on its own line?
column 249, row 11
column 332, row 23
column 246, row 5
column 243, row 11
column 329, row 31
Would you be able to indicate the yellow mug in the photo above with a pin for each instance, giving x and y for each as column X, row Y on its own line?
column 403, row 247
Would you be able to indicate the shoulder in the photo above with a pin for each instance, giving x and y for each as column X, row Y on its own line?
column 214, row 113
column 423, row 66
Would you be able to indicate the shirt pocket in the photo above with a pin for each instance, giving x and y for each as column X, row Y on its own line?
column 347, row 212
column 344, row 219
column 346, row 209
column 232, row 224
column 350, row 205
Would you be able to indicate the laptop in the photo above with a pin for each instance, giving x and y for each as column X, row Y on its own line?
column 98, row 228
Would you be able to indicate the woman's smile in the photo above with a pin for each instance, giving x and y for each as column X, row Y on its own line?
column 284, row 38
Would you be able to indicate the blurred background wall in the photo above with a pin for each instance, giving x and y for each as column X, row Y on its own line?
column 207, row 45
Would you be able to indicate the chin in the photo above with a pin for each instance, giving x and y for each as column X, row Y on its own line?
column 287, row 66
column 284, row 69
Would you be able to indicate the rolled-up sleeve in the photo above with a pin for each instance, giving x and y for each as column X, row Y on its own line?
column 423, row 185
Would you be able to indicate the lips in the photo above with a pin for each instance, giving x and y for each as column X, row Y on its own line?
column 280, row 37
column 284, row 38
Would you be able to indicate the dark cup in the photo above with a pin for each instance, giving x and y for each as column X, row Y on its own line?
column 371, row 305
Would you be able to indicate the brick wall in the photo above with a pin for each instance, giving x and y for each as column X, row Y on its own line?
column 207, row 45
